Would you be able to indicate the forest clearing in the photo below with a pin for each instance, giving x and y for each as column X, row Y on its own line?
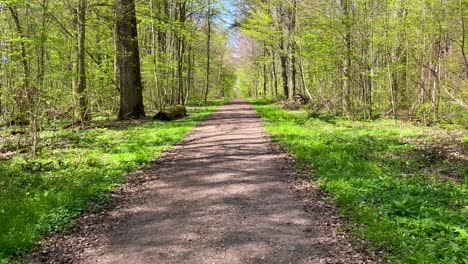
column 123, row 138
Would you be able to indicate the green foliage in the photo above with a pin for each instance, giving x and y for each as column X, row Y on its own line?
column 73, row 169
column 362, row 58
column 396, row 197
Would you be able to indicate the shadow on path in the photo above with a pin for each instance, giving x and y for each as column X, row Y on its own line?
column 218, row 197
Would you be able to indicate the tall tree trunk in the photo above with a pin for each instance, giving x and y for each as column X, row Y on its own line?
column 301, row 68
column 22, row 102
column 208, row 51
column 83, row 113
column 292, row 70
column 346, row 100
column 463, row 36
column 273, row 74
column 392, row 92
column 180, row 69
column 42, row 47
column 292, row 45
column 265, row 78
column 190, row 73
column 181, row 54
column 284, row 49
column 131, row 97
column 284, row 69
column 255, row 85
column 159, row 101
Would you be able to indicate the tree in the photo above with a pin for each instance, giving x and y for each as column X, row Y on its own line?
column 83, row 111
column 208, row 49
column 128, row 57
column 363, row 58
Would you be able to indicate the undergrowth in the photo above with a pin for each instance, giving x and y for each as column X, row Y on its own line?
column 398, row 197
column 73, row 170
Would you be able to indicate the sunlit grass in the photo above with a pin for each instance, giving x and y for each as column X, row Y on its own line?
column 396, row 199
column 75, row 168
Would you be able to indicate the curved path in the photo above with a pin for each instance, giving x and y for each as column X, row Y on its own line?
column 221, row 196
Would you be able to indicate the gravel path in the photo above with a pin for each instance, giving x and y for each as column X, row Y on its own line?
column 224, row 195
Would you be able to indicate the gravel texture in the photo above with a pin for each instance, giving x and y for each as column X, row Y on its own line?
column 226, row 194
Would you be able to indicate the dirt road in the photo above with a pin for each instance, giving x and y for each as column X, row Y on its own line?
column 224, row 195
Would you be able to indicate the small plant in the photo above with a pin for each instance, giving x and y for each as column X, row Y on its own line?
column 74, row 169
column 399, row 196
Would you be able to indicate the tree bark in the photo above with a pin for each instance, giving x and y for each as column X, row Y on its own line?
column 265, row 78
column 293, row 47
column 284, row 69
column 208, row 51
column 273, row 74
column 83, row 113
column 463, row 40
column 347, row 60
column 131, row 97
column 171, row 113
column 23, row 104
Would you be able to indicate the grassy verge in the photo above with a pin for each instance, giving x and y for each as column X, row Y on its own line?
column 400, row 197
column 75, row 168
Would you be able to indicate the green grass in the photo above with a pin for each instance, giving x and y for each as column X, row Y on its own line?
column 397, row 196
column 82, row 167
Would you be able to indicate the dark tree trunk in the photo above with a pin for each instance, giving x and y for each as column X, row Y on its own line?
column 346, row 100
column 181, row 55
column 284, row 70
column 208, row 52
column 83, row 114
column 171, row 113
column 284, row 50
column 292, row 47
column 131, row 98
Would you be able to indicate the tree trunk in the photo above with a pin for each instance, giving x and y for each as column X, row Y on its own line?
column 284, row 70
column 22, row 102
column 180, row 68
column 181, row 55
column 346, row 100
column 463, row 40
column 171, row 113
column 265, row 79
column 392, row 93
column 131, row 97
column 292, row 44
column 208, row 51
column 190, row 74
column 292, row 71
column 83, row 113
column 273, row 74
column 304, row 83
column 284, row 49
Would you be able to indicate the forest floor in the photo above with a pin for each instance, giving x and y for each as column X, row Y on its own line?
column 226, row 194
column 74, row 171
column 403, row 190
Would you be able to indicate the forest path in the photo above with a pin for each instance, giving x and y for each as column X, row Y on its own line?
column 221, row 196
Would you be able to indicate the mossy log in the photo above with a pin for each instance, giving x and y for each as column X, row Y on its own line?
column 171, row 113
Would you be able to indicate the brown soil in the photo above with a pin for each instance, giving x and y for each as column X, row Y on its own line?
column 226, row 194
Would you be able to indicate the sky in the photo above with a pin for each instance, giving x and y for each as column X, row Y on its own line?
column 228, row 17
column 228, row 14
